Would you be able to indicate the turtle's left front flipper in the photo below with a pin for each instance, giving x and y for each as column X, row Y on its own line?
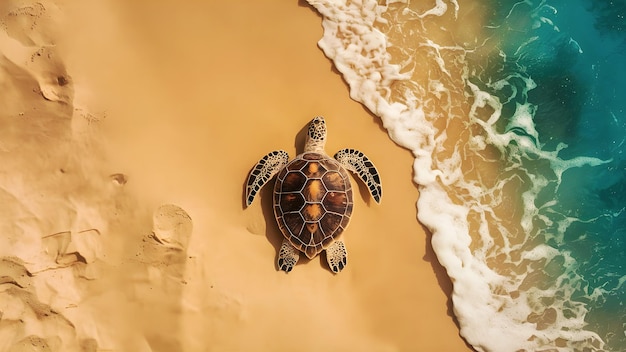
column 263, row 171
column 360, row 164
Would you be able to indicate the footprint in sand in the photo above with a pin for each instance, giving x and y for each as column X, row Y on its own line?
column 166, row 247
column 159, row 282
column 172, row 226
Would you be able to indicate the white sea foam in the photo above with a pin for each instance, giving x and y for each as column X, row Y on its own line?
column 498, row 308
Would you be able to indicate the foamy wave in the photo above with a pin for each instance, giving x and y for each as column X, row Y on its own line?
column 511, row 291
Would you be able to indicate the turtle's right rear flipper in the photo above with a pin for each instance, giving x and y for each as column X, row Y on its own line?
column 337, row 256
column 263, row 171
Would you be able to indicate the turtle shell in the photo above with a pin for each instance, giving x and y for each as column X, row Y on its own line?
column 312, row 202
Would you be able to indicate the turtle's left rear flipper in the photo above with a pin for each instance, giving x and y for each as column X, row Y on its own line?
column 263, row 171
column 360, row 164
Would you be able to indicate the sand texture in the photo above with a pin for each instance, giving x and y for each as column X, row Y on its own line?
column 127, row 131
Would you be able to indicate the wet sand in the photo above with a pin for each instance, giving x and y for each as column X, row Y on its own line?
column 143, row 105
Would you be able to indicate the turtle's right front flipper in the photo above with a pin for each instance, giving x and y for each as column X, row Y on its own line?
column 361, row 165
column 263, row 171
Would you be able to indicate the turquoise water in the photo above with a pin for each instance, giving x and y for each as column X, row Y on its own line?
column 514, row 111
column 577, row 60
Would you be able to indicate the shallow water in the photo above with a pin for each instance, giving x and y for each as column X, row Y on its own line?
column 515, row 116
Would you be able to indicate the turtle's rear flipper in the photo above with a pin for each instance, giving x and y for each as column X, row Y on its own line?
column 287, row 256
column 337, row 256
column 360, row 164
column 263, row 171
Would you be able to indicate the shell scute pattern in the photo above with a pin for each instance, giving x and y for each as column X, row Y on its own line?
column 294, row 222
column 296, row 165
column 295, row 180
column 293, row 201
column 313, row 202
column 314, row 191
column 335, row 202
column 332, row 181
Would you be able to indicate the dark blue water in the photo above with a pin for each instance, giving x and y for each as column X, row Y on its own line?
column 575, row 53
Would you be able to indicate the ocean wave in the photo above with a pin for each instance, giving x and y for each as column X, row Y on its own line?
column 468, row 89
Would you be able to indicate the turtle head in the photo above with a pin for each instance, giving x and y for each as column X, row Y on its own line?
column 316, row 135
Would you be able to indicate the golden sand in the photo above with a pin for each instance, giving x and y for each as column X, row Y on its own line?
column 112, row 112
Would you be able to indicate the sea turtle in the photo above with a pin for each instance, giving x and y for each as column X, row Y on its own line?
column 313, row 197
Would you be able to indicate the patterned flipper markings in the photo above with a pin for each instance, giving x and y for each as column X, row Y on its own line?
column 337, row 256
column 360, row 164
column 287, row 256
column 263, row 171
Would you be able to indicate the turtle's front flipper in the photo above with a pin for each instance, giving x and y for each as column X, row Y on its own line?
column 360, row 164
column 287, row 256
column 263, row 171
column 337, row 256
